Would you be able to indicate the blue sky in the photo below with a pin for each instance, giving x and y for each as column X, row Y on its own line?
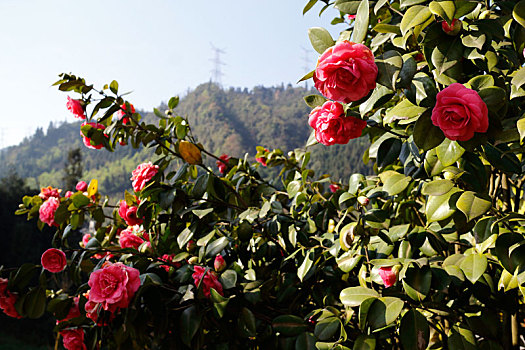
column 155, row 48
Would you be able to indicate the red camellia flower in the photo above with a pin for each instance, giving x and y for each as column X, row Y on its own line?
column 87, row 141
column 332, row 126
column 54, row 260
column 351, row 17
column 81, row 186
column 128, row 239
column 334, row 188
column 113, row 286
column 142, row 175
column 73, row 339
column 8, row 299
column 389, row 275
column 47, row 211
column 262, row 160
column 346, row 72
column 460, row 112
column 74, row 311
column 121, row 113
column 209, row 280
column 454, row 28
column 75, row 107
column 221, row 165
column 129, row 214
column 48, row 192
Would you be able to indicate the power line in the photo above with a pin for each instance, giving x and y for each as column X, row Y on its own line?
column 217, row 63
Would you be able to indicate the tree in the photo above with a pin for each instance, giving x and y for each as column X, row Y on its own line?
column 72, row 169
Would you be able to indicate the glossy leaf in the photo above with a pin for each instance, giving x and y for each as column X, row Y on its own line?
column 354, row 296
column 414, row 331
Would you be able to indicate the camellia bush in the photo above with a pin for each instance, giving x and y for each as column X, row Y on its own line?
column 205, row 253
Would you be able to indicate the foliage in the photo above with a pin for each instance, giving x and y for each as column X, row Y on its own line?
column 425, row 254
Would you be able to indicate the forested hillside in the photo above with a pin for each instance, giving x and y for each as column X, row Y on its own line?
column 231, row 121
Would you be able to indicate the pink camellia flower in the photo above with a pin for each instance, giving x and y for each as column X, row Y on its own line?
column 351, row 17
column 47, row 211
column 48, row 192
column 87, row 141
column 221, row 165
column 454, row 28
column 142, row 175
column 129, row 214
column 219, row 264
column 209, row 280
column 169, row 259
column 8, row 300
column 121, row 113
column 262, row 160
column 73, row 339
column 81, row 186
column 128, row 239
column 389, row 275
column 68, row 194
column 334, row 188
column 54, row 260
column 346, row 72
column 113, row 286
column 460, row 112
column 75, row 107
column 332, row 126
column 85, row 239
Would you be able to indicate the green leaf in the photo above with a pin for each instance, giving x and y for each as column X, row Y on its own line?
column 246, row 324
column 394, row 182
column 475, row 39
column 365, row 342
column 461, row 339
column 480, row 82
column 190, row 320
column 444, row 9
column 494, row 97
column 326, row 329
column 439, row 207
column 502, row 159
column 426, row 134
column 173, row 102
column 380, row 95
column 404, row 111
column 389, row 66
column 471, row 205
column 113, row 86
column 437, row 187
column 414, row 331
column 216, row 246
column 464, row 7
column 446, row 58
column 518, row 13
column 228, row 279
column 474, row 266
column 305, row 341
column 347, row 6
column 320, row 39
column 354, row 296
column 387, row 28
column 384, row 311
column 314, row 100
column 414, row 16
column 307, row 76
column 361, row 22
column 423, row 90
column 184, row 237
column 306, row 265
column 35, row 303
column 449, row 152
column 417, row 282
column 293, row 188
column 521, row 128
column 288, row 325
column 79, row 200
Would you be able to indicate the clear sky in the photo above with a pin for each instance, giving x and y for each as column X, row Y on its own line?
column 155, row 48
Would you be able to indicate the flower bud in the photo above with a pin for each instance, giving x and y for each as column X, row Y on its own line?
column 363, row 200
column 453, row 29
column 389, row 275
column 219, row 264
column 190, row 153
column 193, row 260
column 81, row 186
column 190, row 246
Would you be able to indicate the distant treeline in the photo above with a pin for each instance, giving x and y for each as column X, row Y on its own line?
column 231, row 121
